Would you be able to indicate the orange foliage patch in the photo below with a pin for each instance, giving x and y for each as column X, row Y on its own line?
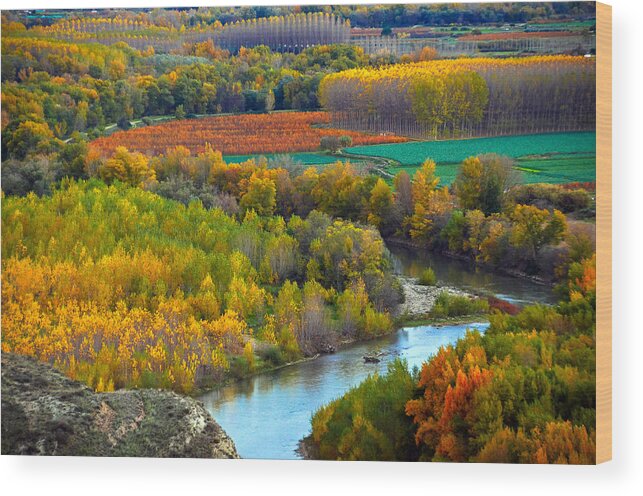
column 237, row 134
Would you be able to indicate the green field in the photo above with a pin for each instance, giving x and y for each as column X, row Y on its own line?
column 552, row 158
column 305, row 158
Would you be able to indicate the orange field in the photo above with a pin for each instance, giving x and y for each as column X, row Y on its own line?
column 237, row 134
column 519, row 35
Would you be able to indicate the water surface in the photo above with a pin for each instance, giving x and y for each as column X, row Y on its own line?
column 268, row 414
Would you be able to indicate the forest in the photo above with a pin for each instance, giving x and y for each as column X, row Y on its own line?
column 121, row 288
column 465, row 97
column 139, row 252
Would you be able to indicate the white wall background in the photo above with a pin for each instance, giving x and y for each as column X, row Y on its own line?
column 622, row 476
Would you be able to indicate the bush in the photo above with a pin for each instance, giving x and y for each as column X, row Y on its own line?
column 19, row 178
column 369, row 421
column 449, row 305
column 124, row 123
column 503, row 306
column 345, row 141
column 427, row 278
column 272, row 354
column 550, row 196
column 330, row 143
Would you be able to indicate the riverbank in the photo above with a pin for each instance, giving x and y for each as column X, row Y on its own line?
column 407, row 244
column 269, row 414
column 414, row 311
column 419, row 300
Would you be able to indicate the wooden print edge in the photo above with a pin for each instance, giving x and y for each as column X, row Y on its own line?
column 603, row 232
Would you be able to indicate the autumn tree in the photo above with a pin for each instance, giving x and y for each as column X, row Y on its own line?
column 403, row 193
column 260, row 196
column 381, row 207
column 482, row 181
column 129, row 167
column 430, row 204
column 534, row 228
column 30, row 138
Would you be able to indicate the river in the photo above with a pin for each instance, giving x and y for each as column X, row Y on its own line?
column 266, row 415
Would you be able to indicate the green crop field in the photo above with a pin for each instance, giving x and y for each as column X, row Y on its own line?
column 558, row 168
column 306, row 158
column 552, row 158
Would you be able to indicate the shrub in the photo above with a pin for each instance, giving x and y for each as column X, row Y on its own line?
column 124, row 123
column 272, row 354
column 330, row 143
column 550, row 196
column 369, row 421
column 449, row 305
column 502, row 306
column 427, row 278
column 345, row 141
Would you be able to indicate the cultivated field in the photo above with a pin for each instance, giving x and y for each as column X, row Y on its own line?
column 551, row 158
column 305, row 158
column 275, row 133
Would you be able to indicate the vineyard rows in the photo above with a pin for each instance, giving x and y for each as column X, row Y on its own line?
column 238, row 134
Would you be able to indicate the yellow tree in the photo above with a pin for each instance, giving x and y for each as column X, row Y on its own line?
column 380, row 204
column 534, row 228
column 260, row 196
column 129, row 167
column 429, row 202
column 467, row 185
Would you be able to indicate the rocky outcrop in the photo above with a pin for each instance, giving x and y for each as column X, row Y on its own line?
column 418, row 299
column 46, row 413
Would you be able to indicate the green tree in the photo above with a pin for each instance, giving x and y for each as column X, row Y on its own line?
column 482, row 182
column 179, row 113
column 260, row 196
column 30, row 138
column 534, row 228
column 381, row 207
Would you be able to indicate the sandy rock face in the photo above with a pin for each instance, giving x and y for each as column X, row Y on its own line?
column 46, row 413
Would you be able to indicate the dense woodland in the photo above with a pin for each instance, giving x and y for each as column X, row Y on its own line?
column 121, row 288
column 265, row 263
column 53, row 89
column 465, row 97
column 130, row 260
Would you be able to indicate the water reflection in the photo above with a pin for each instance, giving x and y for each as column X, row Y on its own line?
column 465, row 275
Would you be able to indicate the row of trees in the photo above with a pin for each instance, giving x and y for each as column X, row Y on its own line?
column 465, row 97
column 290, row 33
column 524, row 392
column 359, row 15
